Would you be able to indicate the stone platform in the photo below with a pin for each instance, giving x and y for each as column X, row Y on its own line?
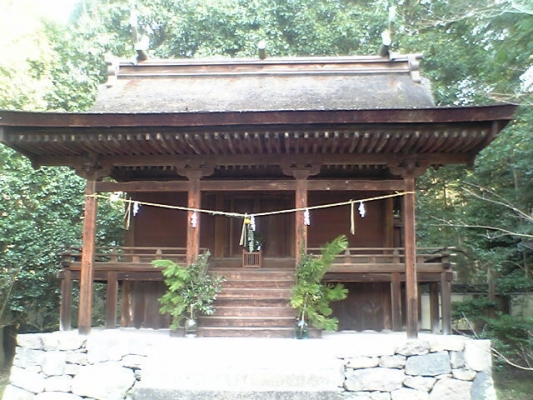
column 150, row 365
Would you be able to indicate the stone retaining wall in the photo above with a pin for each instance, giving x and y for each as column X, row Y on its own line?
column 447, row 368
column 68, row 366
column 107, row 365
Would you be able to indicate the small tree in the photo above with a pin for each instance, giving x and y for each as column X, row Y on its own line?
column 191, row 290
column 311, row 297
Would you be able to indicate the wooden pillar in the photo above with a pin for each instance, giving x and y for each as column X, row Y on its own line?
column 87, row 258
column 446, row 303
column 301, row 228
column 434, row 307
column 396, row 302
column 193, row 232
column 65, row 317
column 125, row 318
column 411, row 279
column 111, row 300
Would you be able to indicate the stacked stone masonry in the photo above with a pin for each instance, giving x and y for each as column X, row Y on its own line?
column 67, row 366
column 451, row 368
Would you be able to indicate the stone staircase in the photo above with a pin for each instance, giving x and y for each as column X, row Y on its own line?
column 253, row 303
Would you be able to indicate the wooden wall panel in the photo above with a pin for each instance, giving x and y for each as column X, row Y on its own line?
column 328, row 223
column 366, row 307
column 145, row 305
column 163, row 227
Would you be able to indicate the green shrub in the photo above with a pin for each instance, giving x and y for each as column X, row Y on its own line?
column 191, row 290
column 310, row 296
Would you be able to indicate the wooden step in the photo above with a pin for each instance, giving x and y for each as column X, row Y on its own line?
column 241, row 321
column 250, row 302
column 256, row 274
column 255, row 293
column 236, row 311
column 279, row 284
column 253, row 332
column 253, row 303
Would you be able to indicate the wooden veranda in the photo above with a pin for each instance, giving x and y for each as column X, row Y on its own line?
column 118, row 266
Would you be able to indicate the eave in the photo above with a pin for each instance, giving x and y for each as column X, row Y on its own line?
column 431, row 136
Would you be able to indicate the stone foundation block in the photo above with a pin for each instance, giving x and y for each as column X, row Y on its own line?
column 409, row 394
column 113, row 381
column 478, row 355
column 432, row 364
column 451, row 389
column 15, row 393
column 374, row 379
column 413, row 348
column 362, row 362
column 421, row 383
column 392, row 361
column 27, row 380
column 483, row 387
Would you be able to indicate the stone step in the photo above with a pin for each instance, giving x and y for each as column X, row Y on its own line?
column 255, row 293
column 255, row 332
column 247, row 311
column 237, row 369
column 252, row 322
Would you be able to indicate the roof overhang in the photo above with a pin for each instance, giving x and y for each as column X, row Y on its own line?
column 451, row 135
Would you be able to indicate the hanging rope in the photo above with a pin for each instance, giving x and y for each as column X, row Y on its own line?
column 263, row 214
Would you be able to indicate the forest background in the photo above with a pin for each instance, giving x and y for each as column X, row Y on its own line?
column 475, row 52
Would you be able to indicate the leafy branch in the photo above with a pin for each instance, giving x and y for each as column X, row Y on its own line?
column 311, row 297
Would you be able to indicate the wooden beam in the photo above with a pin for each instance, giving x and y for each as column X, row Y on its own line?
column 274, row 159
column 193, row 232
column 446, row 303
column 258, row 185
column 411, row 280
column 434, row 315
column 143, row 186
column 300, row 245
column 409, row 117
column 246, row 159
column 111, row 300
column 65, row 313
column 87, row 258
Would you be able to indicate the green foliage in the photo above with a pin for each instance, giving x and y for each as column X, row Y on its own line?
column 511, row 335
column 310, row 296
column 191, row 290
column 474, row 309
column 41, row 213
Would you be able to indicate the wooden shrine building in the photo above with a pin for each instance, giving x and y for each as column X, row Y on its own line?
column 258, row 137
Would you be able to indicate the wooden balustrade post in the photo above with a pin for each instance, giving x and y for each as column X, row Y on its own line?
column 111, row 300
column 434, row 307
column 446, row 302
column 65, row 318
column 87, row 258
